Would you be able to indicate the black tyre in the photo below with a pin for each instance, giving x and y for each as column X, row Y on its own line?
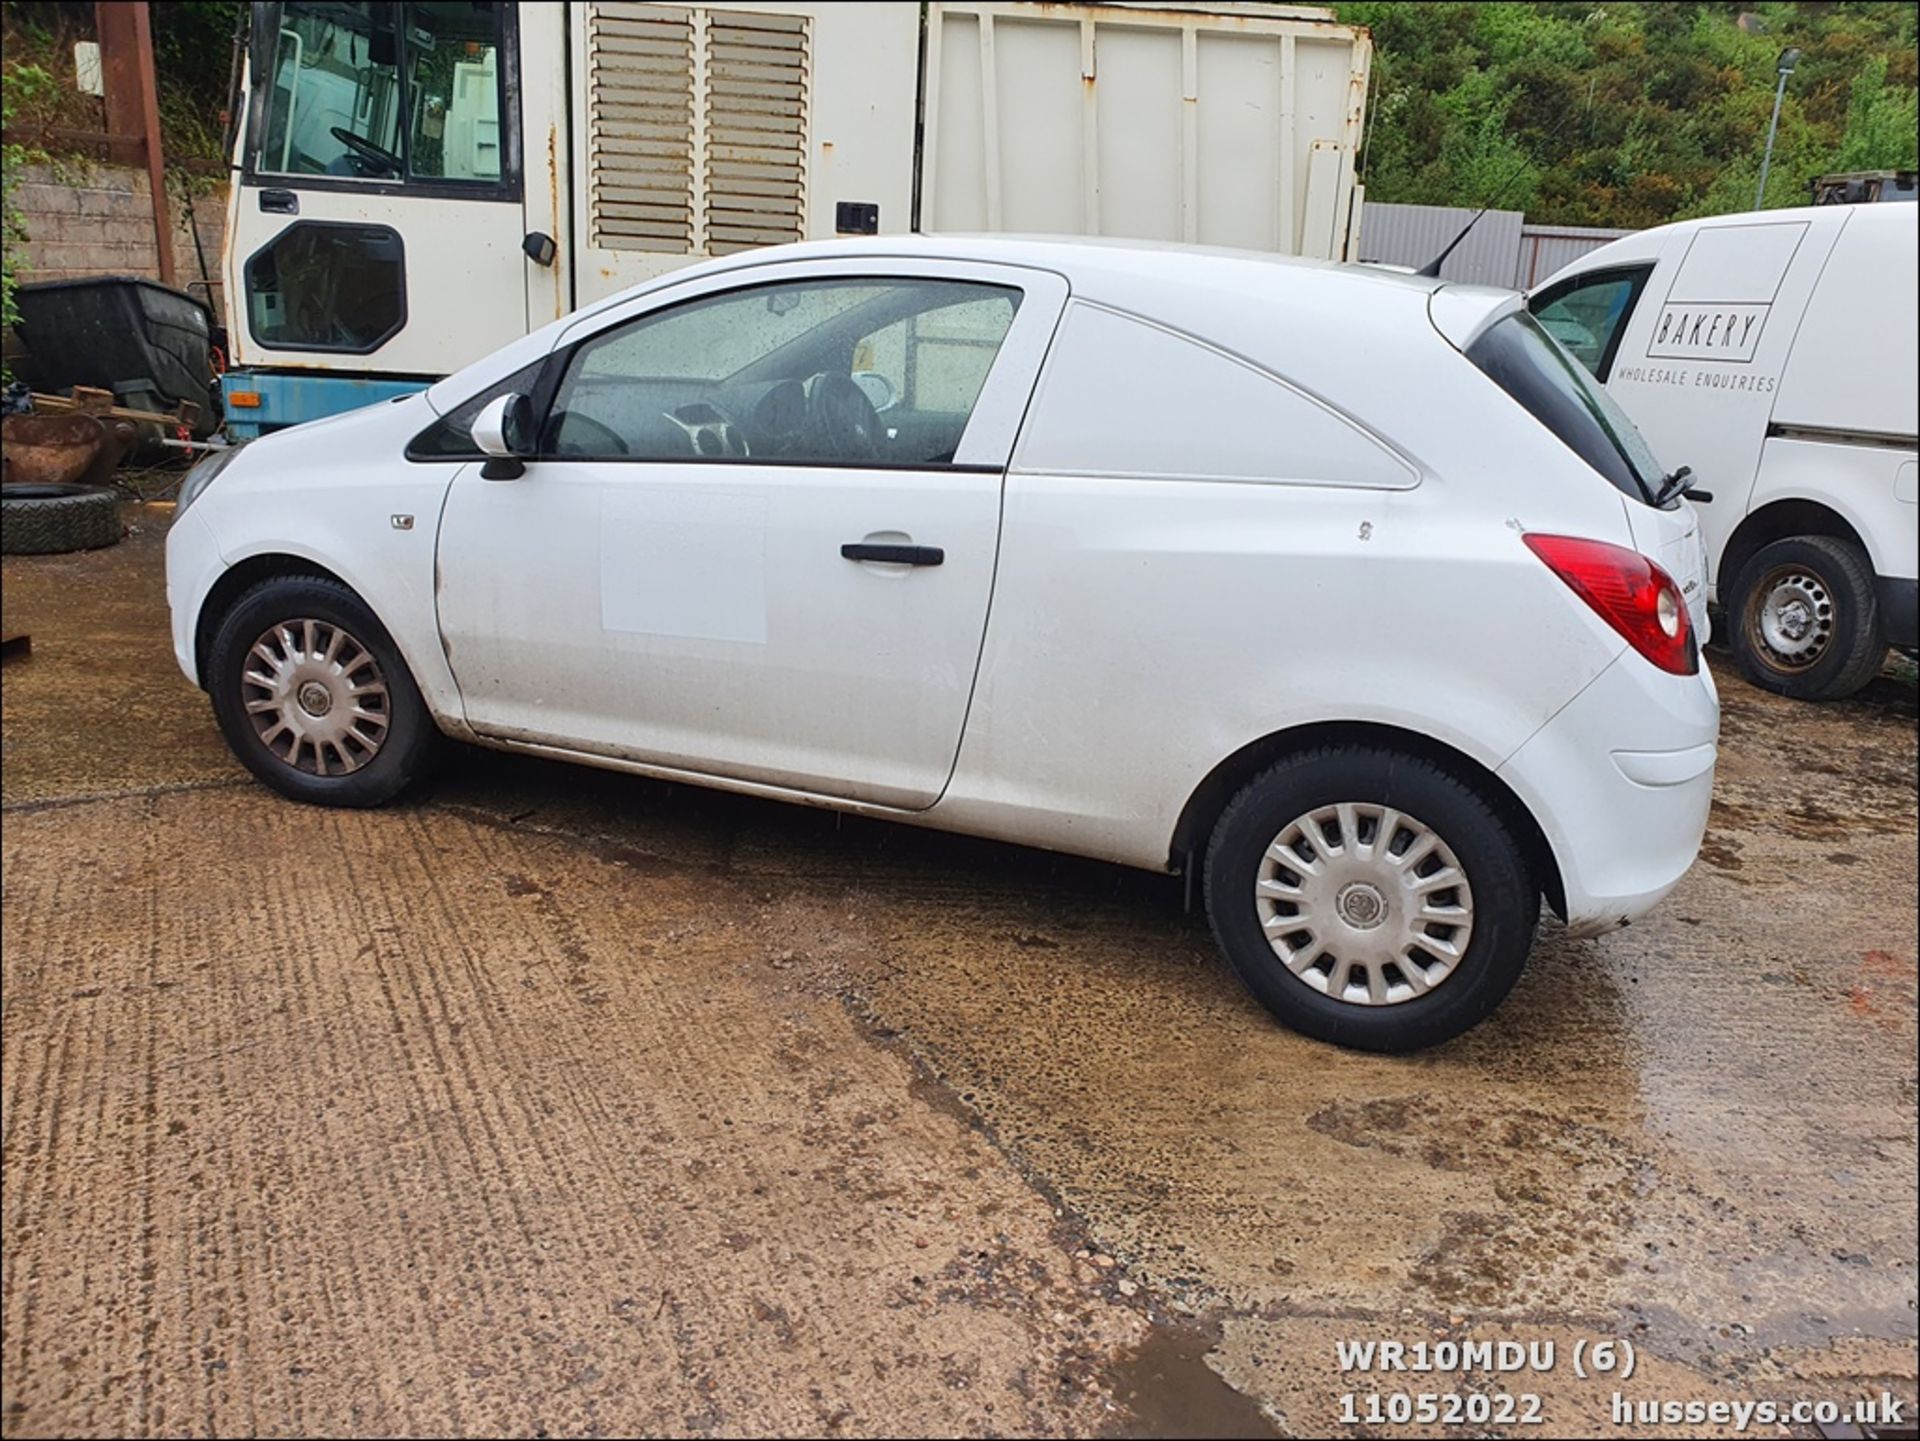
column 1804, row 619
column 311, row 693
column 1370, row 899
column 51, row 519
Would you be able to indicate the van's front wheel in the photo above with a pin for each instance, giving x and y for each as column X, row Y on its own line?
column 313, row 696
column 1369, row 898
column 1805, row 619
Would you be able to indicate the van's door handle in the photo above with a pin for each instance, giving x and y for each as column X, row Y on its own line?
column 279, row 202
column 1697, row 495
column 894, row 554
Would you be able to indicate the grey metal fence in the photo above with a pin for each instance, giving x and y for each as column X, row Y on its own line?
column 1502, row 249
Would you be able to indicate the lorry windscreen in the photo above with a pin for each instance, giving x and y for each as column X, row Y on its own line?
column 1520, row 357
column 396, row 94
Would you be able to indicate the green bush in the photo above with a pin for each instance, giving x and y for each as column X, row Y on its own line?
column 1630, row 114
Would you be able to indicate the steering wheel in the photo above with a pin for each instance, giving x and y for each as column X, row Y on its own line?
column 585, row 438
column 841, row 422
column 779, row 421
column 366, row 150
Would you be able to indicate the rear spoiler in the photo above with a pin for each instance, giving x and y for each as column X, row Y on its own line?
column 1462, row 313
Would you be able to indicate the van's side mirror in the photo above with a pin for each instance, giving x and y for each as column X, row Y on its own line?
column 504, row 432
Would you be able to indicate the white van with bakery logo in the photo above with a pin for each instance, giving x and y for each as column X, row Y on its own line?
column 1777, row 354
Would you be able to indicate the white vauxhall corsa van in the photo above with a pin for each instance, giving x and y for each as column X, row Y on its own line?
column 1350, row 594
column 1776, row 354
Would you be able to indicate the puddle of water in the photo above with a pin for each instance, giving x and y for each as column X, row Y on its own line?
column 1166, row 1388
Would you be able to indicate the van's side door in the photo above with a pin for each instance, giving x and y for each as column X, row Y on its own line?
column 759, row 539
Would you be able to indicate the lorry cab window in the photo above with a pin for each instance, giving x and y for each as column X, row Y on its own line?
column 383, row 93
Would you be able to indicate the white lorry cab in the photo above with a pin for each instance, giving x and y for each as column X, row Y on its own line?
column 1775, row 353
column 418, row 184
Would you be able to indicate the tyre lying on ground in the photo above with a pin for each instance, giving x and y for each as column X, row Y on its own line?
column 50, row 519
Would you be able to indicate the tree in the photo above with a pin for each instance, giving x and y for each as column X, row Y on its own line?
column 1630, row 114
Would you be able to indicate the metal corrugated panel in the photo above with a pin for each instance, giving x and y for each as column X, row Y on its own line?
column 756, row 132
column 1226, row 124
column 1547, row 248
column 640, row 118
column 1412, row 235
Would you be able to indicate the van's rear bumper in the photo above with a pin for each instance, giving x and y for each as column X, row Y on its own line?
column 1621, row 781
column 1899, row 611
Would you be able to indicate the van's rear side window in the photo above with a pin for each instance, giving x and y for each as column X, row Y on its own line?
column 1520, row 357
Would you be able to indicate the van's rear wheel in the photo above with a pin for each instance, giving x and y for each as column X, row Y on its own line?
column 1805, row 619
column 1370, row 899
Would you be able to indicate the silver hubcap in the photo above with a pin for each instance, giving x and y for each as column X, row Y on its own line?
column 1793, row 618
column 1365, row 904
column 316, row 697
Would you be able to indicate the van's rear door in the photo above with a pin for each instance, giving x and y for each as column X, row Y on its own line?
column 1672, row 537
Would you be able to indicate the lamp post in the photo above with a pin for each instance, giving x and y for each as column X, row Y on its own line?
column 1789, row 58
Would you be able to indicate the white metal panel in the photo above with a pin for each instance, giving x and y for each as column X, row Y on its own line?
column 1320, row 231
column 1113, row 380
column 548, row 158
column 1194, row 123
column 465, row 276
column 1853, row 365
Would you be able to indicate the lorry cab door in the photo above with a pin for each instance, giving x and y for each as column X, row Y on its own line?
column 378, row 222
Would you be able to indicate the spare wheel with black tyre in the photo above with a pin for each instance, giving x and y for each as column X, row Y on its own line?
column 39, row 519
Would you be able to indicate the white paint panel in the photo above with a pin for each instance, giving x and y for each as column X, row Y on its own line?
column 955, row 147
column 1123, row 398
column 658, row 545
column 1041, row 159
column 1737, row 264
column 1855, row 364
column 1138, row 93
column 465, row 275
column 1240, row 140
column 1320, row 232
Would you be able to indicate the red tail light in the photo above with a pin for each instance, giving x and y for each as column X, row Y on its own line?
column 1630, row 593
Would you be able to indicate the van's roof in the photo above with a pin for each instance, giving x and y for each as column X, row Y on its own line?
column 1082, row 258
column 1215, row 292
column 1643, row 243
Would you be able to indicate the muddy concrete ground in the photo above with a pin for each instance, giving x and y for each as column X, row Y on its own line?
column 555, row 1101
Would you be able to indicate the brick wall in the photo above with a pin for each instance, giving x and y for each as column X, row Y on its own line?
column 84, row 218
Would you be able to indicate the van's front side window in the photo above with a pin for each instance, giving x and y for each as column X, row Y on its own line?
column 386, row 93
